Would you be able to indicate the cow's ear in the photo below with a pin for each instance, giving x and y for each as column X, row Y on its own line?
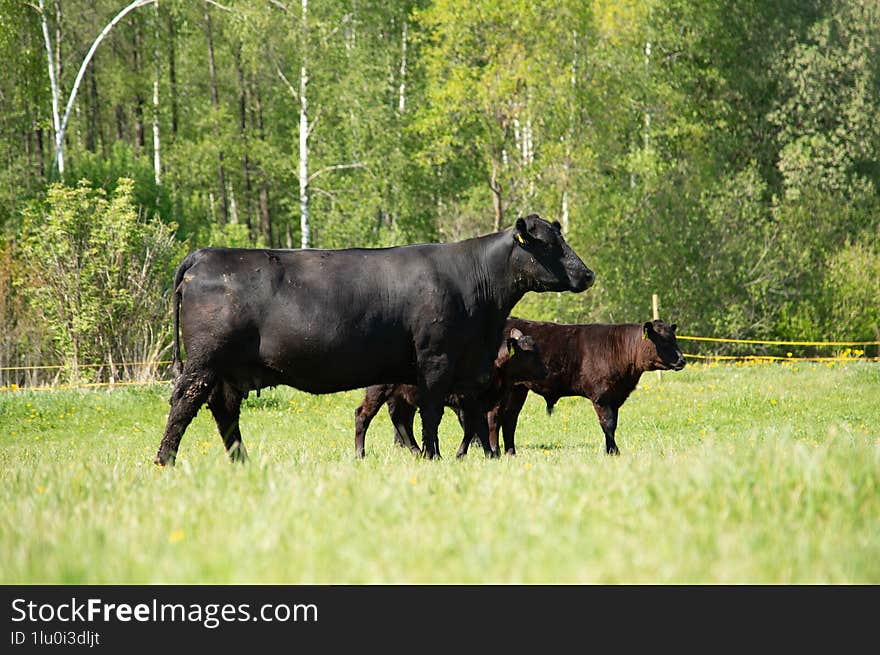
column 673, row 327
column 521, row 231
column 557, row 226
column 646, row 328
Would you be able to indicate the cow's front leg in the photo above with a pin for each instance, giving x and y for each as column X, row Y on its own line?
column 435, row 381
column 608, row 420
column 431, row 412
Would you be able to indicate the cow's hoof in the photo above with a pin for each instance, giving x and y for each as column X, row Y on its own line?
column 612, row 451
column 510, row 452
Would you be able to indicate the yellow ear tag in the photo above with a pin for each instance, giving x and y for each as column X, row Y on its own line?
column 644, row 334
column 510, row 349
column 520, row 239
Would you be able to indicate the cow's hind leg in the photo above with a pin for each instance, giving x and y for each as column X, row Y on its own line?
column 190, row 391
column 224, row 402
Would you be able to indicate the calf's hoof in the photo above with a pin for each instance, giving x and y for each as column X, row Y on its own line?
column 612, row 451
column 510, row 452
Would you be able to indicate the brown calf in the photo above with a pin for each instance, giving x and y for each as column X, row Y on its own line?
column 517, row 359
column 599, row 361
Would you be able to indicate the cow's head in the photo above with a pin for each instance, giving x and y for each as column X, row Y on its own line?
column 520, row 359
column 662, row 348
column 543, row 259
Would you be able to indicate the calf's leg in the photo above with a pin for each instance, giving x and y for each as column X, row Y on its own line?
column 475, row 425
column 190, row 391
column 403, row 415
column 509, row 416
column 374, row 398
column 224, row 401
column 467, row 436
column 608, row 420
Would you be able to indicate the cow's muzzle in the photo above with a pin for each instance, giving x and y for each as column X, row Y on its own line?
column 583, row 281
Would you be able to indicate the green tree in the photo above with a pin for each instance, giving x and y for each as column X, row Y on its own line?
column 99, row 278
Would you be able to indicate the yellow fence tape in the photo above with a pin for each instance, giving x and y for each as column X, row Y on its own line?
column 780, row 343
column 775, row 358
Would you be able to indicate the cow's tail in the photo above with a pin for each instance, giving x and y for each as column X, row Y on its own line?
column 176, row 363
column 551, row 402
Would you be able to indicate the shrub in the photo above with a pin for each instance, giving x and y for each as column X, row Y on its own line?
column 98, row 276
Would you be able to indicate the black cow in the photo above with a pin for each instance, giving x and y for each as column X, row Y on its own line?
column 601, row 362
column 332, row 320
column 518, row 359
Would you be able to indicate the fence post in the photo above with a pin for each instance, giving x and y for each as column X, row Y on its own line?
column 655, row 312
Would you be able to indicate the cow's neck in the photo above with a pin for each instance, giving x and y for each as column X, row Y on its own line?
column 495, row 281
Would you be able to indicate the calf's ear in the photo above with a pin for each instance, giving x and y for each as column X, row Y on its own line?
column 673, row 327
column 557, row 226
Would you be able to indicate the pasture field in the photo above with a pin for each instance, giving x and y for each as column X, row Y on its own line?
column 760, row 473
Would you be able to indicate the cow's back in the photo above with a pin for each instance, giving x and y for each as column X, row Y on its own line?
column 319, row 320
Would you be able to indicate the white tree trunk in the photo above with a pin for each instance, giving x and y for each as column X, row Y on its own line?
column 53, row 83
column 59, row 137
column 647, row 112
column 304, row 137
column 401, row 95
column 569, row 136
column 157, row 70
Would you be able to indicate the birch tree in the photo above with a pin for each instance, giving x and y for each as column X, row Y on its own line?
column 61, row 126
column 53, row 85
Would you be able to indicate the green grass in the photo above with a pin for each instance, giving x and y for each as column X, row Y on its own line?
column 728, row 474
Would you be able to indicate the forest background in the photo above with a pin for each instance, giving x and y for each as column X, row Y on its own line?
column 724, row 154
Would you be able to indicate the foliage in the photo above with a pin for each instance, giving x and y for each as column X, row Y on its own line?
column 722, row 154
column 97, row 277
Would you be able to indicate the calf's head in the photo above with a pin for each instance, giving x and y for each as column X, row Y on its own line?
column 661, row 348
column 519, row 358
column 543, row 261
